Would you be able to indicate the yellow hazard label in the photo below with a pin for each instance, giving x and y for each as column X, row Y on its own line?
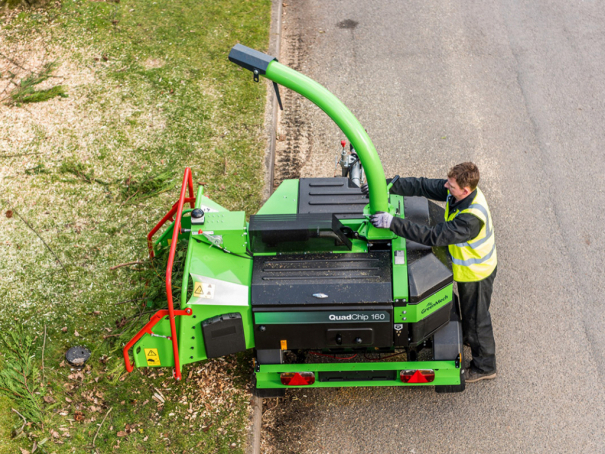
column 197, row 289
column 153, row 359
column 284, row 344
column 169, row 240
column 203, row 290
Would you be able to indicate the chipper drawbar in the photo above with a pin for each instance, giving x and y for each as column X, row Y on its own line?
column 324, row 297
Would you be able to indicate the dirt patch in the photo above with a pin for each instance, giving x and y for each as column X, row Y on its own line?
column 152, row 63
column 294, row 146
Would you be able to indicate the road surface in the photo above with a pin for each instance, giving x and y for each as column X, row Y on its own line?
column 518, row 88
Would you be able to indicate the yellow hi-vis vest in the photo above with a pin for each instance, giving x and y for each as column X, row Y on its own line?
column 477, row 259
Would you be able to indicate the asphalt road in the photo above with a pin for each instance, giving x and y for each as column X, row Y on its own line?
column 518, row 88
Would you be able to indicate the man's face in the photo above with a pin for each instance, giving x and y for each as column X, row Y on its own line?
column 458, row 192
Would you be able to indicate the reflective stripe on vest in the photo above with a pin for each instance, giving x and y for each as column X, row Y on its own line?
column 476, row 259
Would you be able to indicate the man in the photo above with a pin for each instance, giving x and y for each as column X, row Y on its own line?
column 469, row 234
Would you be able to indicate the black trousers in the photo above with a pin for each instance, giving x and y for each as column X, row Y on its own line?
column 475, row 298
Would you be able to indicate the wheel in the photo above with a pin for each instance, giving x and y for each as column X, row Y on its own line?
column 447, row 346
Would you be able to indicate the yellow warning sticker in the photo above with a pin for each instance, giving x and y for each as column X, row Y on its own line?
column 284, row 344
column 153, row 359
column 203, row 290
column 169, row 240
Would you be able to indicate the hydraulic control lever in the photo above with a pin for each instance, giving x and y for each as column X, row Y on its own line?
column 393, row 181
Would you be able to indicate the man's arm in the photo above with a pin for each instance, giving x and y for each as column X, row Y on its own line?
column 430, row 188
column 463, row 228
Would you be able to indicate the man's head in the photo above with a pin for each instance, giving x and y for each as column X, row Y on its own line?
column 462, row 179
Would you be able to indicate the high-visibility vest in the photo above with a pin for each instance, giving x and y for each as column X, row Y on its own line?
column 477, row 259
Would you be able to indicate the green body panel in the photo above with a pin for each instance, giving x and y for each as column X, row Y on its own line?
column 400, row 271
column 446, row 373
column 345, row 120
column 205, row 261
column 162, row 344
column 229, row 225
column 413, row 313
column 284, row 199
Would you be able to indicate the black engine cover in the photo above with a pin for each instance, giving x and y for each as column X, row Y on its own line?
column 323, row 327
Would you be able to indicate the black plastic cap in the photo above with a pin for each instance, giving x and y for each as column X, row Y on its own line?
column 250, row 59
column 77, row 356
column 197, row 213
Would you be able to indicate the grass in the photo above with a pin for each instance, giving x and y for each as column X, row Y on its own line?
column 26, row 91
column 150, row 92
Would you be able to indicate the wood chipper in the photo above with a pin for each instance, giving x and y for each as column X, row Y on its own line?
column 323, row 297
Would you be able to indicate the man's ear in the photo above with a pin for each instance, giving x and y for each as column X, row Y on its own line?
column 467, row 190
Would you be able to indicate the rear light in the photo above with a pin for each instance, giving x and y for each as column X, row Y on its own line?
column 417, row 376
column 297, row 378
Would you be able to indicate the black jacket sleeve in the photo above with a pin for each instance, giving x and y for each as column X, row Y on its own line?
column 461, row 229
column 433, row 189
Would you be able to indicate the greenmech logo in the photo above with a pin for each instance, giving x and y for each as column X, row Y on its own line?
column 350, row 317
column 434, row 304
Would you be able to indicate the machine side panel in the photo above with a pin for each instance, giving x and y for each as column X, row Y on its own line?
column 220, row 285
column 284, row 199
column 413, row 313
column 155, row 351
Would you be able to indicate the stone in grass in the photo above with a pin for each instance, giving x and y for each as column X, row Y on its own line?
column 77, row 356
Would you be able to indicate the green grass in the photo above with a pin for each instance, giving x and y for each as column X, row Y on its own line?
column 26, row 91
column 150, row 92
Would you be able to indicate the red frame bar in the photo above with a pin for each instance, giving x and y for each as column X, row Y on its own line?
column 155, row 318
column 169, row 216
column 178, row 208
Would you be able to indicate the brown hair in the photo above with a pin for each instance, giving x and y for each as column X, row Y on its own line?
column 466, row 175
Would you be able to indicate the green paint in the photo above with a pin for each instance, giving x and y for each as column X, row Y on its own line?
column 162, row 344
column 345, row 120
column 413, row 313
column 299, row 318
column 446, row 373
column 283, row 201
column 400, row 270
column 230, row 225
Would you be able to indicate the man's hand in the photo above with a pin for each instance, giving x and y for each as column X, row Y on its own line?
column 381, row 220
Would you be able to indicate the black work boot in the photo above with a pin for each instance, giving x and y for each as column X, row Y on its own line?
column 471, row 375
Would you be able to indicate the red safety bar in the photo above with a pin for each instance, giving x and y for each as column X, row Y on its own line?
column 155, row 318
column 169, row 216
column 178, row 208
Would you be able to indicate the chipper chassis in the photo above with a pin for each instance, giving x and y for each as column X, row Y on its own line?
column 324, row 298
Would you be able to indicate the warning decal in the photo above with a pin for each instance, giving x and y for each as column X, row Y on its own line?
column 284, row 344
column 202, row 290
column 153, row 359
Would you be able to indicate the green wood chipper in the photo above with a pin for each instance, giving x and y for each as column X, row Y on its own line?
column 322, row 297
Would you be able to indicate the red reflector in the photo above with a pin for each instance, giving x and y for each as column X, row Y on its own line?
column 297, row 378
column 417, row 376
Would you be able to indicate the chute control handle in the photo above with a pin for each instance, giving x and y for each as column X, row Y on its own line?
column 393, row 181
